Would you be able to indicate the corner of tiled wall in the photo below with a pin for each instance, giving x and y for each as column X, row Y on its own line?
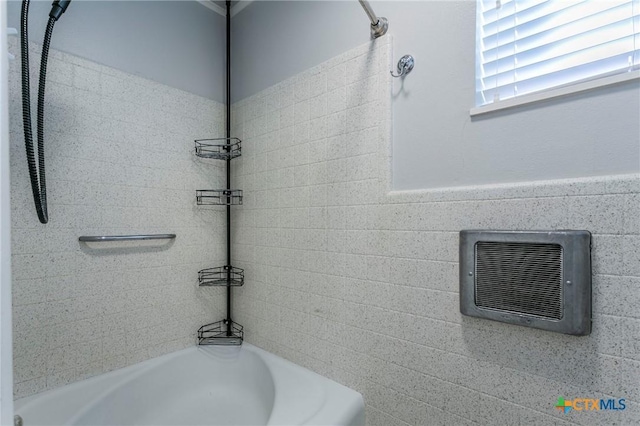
column 119, row 156
column 360, row 283
column 342, row 276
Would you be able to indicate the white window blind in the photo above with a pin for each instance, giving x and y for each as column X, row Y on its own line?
column 526, row 46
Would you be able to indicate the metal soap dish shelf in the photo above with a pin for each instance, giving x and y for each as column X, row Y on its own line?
column 221, row 276
column 219, row 148
column 216, row 333
column 219, row 197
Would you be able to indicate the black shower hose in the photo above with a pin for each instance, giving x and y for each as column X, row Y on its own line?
column 36, row 171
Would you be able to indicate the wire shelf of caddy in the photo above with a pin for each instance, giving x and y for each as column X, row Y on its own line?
column 221, row 333
column 219, row 148
column 219, row 197
column 221, row 276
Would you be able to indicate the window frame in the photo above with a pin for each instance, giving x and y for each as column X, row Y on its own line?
column 551, row 93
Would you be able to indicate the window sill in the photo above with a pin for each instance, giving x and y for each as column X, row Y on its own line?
column 555, row 93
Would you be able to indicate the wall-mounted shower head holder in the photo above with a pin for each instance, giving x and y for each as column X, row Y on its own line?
column 405, row 65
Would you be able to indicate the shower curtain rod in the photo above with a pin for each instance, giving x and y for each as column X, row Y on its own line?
column 379, row 25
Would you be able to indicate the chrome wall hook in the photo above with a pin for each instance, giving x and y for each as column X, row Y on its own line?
column 405, row 65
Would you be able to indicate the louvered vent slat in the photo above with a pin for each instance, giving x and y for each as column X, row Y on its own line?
column 519, row 277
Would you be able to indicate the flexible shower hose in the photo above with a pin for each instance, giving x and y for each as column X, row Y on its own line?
column 37, row 173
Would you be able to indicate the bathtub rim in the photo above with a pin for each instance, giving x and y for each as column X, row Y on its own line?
column 341, row 405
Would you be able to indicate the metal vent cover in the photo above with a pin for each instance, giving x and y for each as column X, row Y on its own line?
column 539, row 279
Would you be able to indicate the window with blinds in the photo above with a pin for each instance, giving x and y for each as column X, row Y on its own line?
column 527, row 46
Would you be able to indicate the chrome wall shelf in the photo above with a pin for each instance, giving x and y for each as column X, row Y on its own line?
column 219, row 197
column 219, row 148
column 217, row 333
column 221, row 276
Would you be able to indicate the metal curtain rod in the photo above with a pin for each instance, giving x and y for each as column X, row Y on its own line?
column 379, row 25
column 90, row 238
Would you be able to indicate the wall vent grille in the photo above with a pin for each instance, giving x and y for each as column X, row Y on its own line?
column 538, row 279
column 520, row 277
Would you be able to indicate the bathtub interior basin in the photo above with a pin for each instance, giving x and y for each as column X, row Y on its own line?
column 190, row 390
column 208, row 385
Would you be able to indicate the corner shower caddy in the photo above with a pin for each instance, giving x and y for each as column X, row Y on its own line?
column 226, row 331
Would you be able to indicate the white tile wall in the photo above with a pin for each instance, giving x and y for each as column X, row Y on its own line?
column 119, row 161
column 361, row 284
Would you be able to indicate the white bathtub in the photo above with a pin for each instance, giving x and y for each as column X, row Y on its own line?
column 206, row 385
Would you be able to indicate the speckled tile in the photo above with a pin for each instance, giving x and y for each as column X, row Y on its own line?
column 368, row 277
column 395, row 327
column 607, row 255
column 631, row 255
column 110, row 174
column 609, row 290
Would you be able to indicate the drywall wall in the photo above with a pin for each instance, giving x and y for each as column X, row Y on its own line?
column 435, row 142
column 119, row 157
column 274, row 40
column 361, row 284
column 177, row 43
